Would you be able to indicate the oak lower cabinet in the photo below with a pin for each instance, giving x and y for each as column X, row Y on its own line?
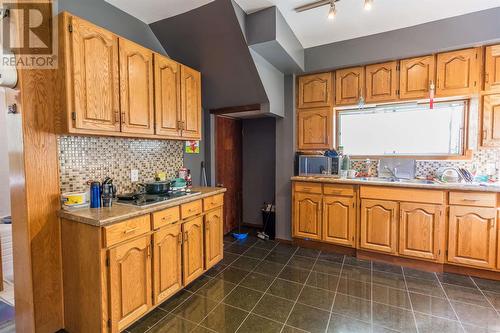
column 307, row 215
column 421, row 231
column 214, row 224
column 379, row 225
column 315, row 129
column 315, row 90
column 192, row 250
column 472, row 236
column 339, row 220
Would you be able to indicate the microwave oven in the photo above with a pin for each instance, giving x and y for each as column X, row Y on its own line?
column 319, row 165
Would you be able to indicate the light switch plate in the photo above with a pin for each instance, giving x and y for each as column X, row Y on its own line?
column 134, row 175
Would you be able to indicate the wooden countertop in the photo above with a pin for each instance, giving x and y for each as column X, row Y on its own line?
column 100, row 217
column 435, row 186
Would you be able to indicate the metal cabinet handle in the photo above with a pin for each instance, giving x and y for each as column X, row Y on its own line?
column 179, row 238
column 129, row 231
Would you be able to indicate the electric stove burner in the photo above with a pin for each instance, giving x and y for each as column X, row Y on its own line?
column 143, row 199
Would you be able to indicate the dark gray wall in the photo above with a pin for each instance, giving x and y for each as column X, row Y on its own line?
column 443, row 35
column 107, row 16
column 259, row 155
column 193, row 161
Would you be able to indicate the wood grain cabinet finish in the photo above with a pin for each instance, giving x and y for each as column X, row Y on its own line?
column 315, row 90
column 136, row 88
column 378, row 227
column 490, row 121
column 190, row 103
column 192, row 250
column 130, row 282
column 492, row 69
column 93, row 77
column 421, row 228
column 167, row 262
column 350, row 85
column 457, row 73
column 167, row 81
column 472, row 236
column 315, row 129
column 213, row 237
column 382, row 82
column 307, row 216
column 416, row 76
column 339, row 220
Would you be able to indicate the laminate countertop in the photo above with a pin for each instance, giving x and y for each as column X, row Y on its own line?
column 105, row 216
column 433, row 186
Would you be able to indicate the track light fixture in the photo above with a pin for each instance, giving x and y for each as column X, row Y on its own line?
column 368, row 4
column 333, row 10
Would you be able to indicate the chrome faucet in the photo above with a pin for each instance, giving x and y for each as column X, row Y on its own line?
column 393, row 172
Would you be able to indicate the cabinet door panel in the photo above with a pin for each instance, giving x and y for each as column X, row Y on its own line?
column 491, row 121
column 315, row 129
column 492, row 69
column 307, row 216
column 350, row 85
column 95, row 77
column 130, row 282
column 382, row 82
column 420, row 230
column 472, row 236
column 457, row 73
column 192, row 250
column 339, row 220
column 416, row 76
column 167, row 96
column 213, row 237
column 315, row 90
column 379, row 225
column 191, row 103
column 167, row 263
column 136, row 88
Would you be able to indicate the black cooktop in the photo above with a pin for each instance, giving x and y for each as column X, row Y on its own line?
column 143, row 199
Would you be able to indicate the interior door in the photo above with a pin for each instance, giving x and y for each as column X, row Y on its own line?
column 378, row 227
column 191, row 103
column 130, row 289
column 136, row 88
column 307, row 215
column 472, row 236
column 315, row 128
column 192, row 249
column 167, row 262
column 420, row 230
column 491, row 120
column 382, row 82
column 416, row 76
column 339, row 220
column 213, row 237
column 95, row 77
column 167, row 97
column 228, row 156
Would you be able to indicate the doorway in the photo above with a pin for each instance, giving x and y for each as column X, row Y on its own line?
column 228, row 164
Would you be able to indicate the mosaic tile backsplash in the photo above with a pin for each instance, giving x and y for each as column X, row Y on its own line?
column 95, row 158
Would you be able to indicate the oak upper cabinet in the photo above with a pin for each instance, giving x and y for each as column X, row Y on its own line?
column 92, row 76
column 457, row 73
column 213, row 237
column 378, row 227
column 472, row 236
column 130, row 282
column 192, row 250
column 416, row 77
column 350, row 85
column 315, row 90
column 421, row 228
column 315, row 128
column 492, row 69
column 137, row 88
column 190, row 103
column 382, row 82
column 307, row 216
column 167, row 263
column 490, row 121
column 339, row 220
column 167, row 76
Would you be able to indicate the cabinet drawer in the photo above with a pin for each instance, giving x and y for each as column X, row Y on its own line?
column 473, row 199
column 166, row 217
column 343, row 190
column 308, row 187
column 191, row 209
column 120, row 232
column 213, row 202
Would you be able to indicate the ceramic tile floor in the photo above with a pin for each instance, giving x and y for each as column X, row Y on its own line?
column 274, row 287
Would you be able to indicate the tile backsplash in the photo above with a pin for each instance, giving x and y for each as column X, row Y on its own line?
column 95, row 158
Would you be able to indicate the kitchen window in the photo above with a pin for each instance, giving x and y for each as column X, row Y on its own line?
column 403, row 130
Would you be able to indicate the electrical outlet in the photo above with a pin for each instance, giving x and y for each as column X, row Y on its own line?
column 134, row 175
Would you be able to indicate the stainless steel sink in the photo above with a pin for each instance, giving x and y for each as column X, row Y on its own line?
column 397, row 180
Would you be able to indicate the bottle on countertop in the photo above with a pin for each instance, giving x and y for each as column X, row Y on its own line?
column 189, row 179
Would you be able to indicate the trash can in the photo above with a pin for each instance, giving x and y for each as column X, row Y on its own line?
column 269, row 220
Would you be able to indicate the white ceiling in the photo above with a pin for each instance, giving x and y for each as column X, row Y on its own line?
column 313, row 28
column 150, row 11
